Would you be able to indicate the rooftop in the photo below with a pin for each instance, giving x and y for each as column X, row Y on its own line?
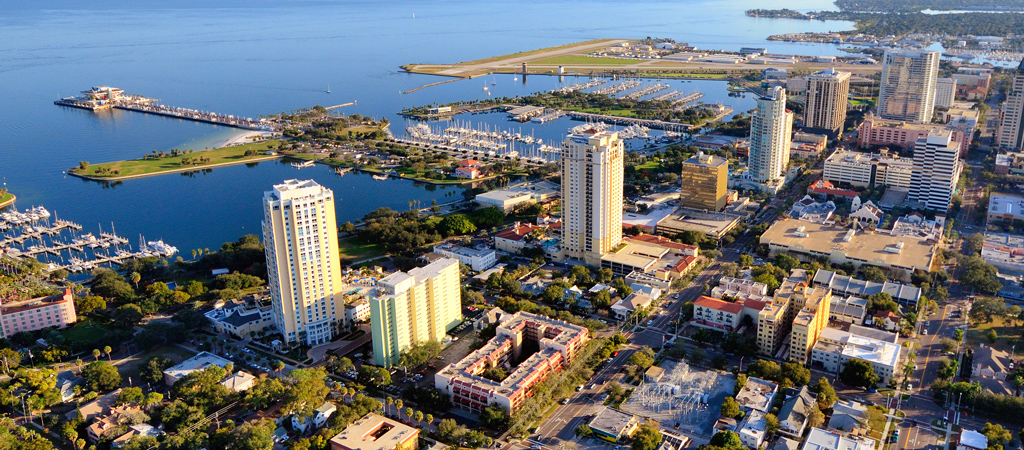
column 718, row 305
column 26, row 305
column 612, row 421
column 902, row 293
column 855, row 346
column 757, row 394
column 1003, row 204
column 373, row 432
column 198, row 362
column 973, row 439
column 818, row 439
column 704, row 160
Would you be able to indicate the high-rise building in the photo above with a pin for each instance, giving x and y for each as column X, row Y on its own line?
column 1011, row 118
column 704, row 180
column 907, row 90
column 869, row 169
column 771, row 134
column 945, row 92
column 591, row 195
column 827, row 93
column 300, row 235
column 937, row 168
column 414, row 308
column 812, row 318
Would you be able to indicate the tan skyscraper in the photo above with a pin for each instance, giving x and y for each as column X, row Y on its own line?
column 591, row 195
column 414, row 308
column 807, row 326
column 704, row 179
column 771, row 133
column 907, row 90
column 827, row 93
column 1011, row 120
column 300, row 235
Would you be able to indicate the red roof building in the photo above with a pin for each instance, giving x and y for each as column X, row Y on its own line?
column 825, row 187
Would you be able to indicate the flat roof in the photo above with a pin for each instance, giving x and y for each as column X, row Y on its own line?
column 867, row 247
column 819, row 439
column 198, row 362
column 611, row 421
column 713, row 224
column 374, row 432
column 757, row 394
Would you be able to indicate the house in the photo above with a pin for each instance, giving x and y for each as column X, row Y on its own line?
column 753, row 429
column 886, row 320
column 110, row 422
column 493, row 315
column 990, row 363
column 868, row 213
column 572, row 295
column 467, row 168
column 324, row 412
column 795, row 412
column 142, row 429
column 848, row 416
column 971, row 440
column 240, row 381
column 786, row 444
column 623, row 308
column 96, row 408
column 66, row 382
column 757, row 395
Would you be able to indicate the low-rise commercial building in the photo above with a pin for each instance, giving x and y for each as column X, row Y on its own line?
column 652, row 255
column 201, row 361
column 55, row 311
column 843, row 245
column 971, row 440
column 478, row 260
column 1005, row 208
column 843, row 285
column 613, row 425
column 721, row 315
column 836, row 347
column 818, row 439
column 469, row 169
column 375, row 432
column 713, row 225
column 1004, row 251
column 242, row 320
column 757, row 395
column 868, row 169
column 510, row 198
column 556, row 342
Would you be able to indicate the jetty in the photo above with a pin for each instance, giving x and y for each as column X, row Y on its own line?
column 40, row 231
column 649, row 123
column 105, row 97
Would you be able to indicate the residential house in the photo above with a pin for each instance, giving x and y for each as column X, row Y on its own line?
column 66, row 382
column 795, row 412
column 140, row 430
column 240, row 381
column 468, row 169
column 102, row 427
column 886, row 320
column 753, row 429
column 623, row 308
column 848, row 416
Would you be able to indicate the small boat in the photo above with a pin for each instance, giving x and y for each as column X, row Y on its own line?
column 308, row 163
column 380, row 177
column 328, row 91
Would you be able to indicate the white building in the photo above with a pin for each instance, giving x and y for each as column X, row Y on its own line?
column 300, row 235
column 201, row 361
column 848, row 310
column 826, row 101
column 1011, row 118
column 414, row 308
column 945, row 92
column 752, row 430
column 358, row 311
column 907, row 90
column 478, row 260
column 937, row 168
column 835, row 347
column 771, row 133
column 591, row 195
column 867, row 169
column 971, row 440
column 818, row 439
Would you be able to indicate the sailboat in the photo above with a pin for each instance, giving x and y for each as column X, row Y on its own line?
column 485, row 86
column 328, row 88
column 494, row 81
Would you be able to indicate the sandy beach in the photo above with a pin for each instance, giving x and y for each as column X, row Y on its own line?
column 243, row 138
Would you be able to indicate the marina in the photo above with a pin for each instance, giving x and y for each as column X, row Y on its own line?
column 105, row 97
column 30, row 234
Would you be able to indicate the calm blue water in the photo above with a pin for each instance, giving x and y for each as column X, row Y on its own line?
column 257, row 56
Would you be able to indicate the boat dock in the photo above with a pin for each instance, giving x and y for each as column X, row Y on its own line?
column 646, row 91
column 549, row 115
column 649, row 123
column 689, row 98
column 580, row 87
column 38, row 232
column 106, row 97
column 525, row 113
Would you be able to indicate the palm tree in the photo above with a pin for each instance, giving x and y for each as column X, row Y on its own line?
column 78, row 362
column 193, row 253
column 107, row 350
column 430, row 420
column 398, row 408
column 96, row 353
column 135, row 277
column 389, row 401
column 278, row 366
column 418, row 417
column 408, row 413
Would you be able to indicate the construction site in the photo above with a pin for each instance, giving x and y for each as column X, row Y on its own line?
column 684, row 397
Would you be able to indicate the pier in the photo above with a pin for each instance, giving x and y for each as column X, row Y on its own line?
column 38, row 232
column 106, row 97
column 646, row 91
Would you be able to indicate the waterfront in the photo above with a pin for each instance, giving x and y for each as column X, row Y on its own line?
column 251, row 58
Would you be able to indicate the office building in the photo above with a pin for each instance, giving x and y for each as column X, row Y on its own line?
column 771, row 133
column 376, row 432
column 25, row 316
column 907, row 90
column 945, row 92
column 869, row 169
column 825, row 111
column 877, row 131
column 591, row 195
column 528, row 345
column 300, row 235
column 414, row 308
column 809, row 322
column 1011, row 118
column 613, row 425
column 704, row 179
column 937, row 168
column 836, row 347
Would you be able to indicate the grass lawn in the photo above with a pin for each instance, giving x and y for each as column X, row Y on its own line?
column 649, row 165
column 5, row 197
column 708, row 76
column 86, row 334
column 355, row 249
column 1006, row 331
column 610, row 112
column 136, row 167
column 587, row 61
column 132, row 368
column 532, row 52
column 861, row 101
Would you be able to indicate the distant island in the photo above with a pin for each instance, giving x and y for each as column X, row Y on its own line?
column 896, row 23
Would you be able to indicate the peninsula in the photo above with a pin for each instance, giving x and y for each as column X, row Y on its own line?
column 175, row 161
column 6, row 198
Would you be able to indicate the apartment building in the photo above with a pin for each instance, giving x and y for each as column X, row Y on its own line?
column 826, row 100
column 937, row 167
column 300, row 235
column 415, row 307
column 55, row 311
column 945, row 92
column 875, row 131
column 907, row 90
column 771, row 133
column 809, row 322
column 1010, row 135
column 716, row 314
column 591, row 195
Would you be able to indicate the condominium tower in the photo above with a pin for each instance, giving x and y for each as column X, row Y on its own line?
column 827, row 93
column 945, row 92
column 415, row 307
column 300, row 236
column 937, row 168
column 771, row 133
column 704, row 180
column 907, row 90
column 591, row 195
column 1011, row 120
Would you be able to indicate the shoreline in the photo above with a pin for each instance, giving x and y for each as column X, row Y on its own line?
column 399, row 176
column 8, row 202
column 245, row 137
column 166, row 172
